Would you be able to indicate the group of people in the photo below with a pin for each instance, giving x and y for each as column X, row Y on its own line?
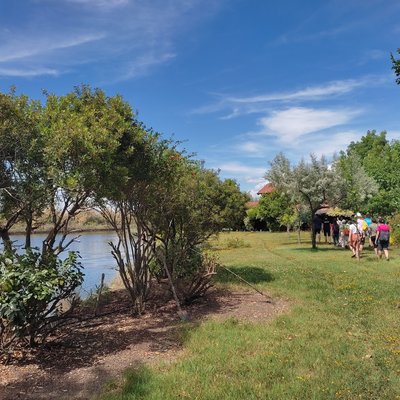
column 354, row 232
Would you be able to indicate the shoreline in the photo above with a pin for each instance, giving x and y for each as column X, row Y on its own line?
column 77, row 230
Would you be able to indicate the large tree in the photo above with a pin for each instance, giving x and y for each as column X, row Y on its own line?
column 82, row 131
column 274, row 208
column 356, row 188
column 23, row 184
column 381, row 161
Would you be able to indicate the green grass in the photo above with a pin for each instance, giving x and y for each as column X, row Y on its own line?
column 340, row 339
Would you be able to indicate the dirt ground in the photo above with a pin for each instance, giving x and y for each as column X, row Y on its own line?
column 82, row 357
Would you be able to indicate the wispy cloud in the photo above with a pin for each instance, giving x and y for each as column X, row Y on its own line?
column 141, row 35
column 143, row 64
column 291, row 124
column 373, row 55
column 296, row 37
column 259, row 184
column 249, row 147
column 311, row 92
column 26, row 48
column 103, row 4
column 242, row 169
column 245, row 173
column 239, row 105
column 328, row 144
column 27, row 72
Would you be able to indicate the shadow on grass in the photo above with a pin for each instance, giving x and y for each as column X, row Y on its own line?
column 319, row 249
column 137, row 382
column 250, row 274
column 127, row 340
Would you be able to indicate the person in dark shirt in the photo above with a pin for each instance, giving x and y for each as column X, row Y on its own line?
column 335, row 232
column 327, row 229
column 317, row 225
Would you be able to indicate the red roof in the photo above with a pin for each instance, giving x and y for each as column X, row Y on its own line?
column 268, row 188
column 251, row 204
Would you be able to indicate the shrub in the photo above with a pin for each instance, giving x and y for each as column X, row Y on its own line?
column 236, row 243
column 395, row 229
column 196, row 279
column 31, row 291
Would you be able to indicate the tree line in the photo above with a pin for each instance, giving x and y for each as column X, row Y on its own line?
column 87, row 150
column 362, row 178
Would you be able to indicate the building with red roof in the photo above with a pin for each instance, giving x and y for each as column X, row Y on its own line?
column 268, row 188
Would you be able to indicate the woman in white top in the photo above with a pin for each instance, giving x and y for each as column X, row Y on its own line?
column 354, row 239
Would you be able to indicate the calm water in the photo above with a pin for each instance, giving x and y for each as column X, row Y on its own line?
column 95, row 252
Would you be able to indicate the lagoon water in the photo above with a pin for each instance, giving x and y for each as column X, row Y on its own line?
column 95, row 255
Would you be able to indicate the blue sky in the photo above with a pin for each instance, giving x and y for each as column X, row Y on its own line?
column 237, row 80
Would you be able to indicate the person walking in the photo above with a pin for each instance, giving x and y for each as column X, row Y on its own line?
column 335, row 231
column 317, row 225
column 383, row 238
column 362, row 228
column 344, row 233
column 373, row 227
column 354, row 239
column 327, row 229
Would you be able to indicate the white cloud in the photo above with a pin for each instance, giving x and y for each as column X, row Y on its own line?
column 246, row 174
column 25, row 48
column 242, row 105
column 104, row 4
column 253, row 192
column 27, row 72
column 143, row 64
column 140, row 34
column 309, row 93
column 241, row 169
column 249, row 147
column 293, row 123
column 329, row 144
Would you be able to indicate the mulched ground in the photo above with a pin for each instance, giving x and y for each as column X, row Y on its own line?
column 77, row 361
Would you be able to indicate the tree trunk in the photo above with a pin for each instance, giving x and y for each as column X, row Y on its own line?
column 5, row 237
column 313, row 233
column 28, row 233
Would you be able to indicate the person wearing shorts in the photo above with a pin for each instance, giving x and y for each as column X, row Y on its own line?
column 360, row 226
column 354, row 239
column 383, row 238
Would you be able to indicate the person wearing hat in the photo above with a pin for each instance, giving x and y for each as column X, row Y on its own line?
column 362, row 228
column 354, row 239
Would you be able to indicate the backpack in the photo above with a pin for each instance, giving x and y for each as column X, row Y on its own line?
column 384, row 235
column 364, row 226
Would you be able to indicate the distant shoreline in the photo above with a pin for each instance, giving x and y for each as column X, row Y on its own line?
column 76, row 230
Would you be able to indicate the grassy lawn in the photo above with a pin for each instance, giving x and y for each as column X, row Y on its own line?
column 340, row 339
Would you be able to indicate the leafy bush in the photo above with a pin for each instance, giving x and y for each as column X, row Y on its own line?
column 395, row 229
column 197, row 279
column 31, row 291
column 236, row 243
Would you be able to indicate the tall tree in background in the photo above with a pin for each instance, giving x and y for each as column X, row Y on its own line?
column 356, row 188
column 381, row 161
column 232, row 201
column 272, row 208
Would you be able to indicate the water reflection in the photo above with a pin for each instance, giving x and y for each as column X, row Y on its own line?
column 95, row 252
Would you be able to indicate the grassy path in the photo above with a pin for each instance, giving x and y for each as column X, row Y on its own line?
column 340, row 340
